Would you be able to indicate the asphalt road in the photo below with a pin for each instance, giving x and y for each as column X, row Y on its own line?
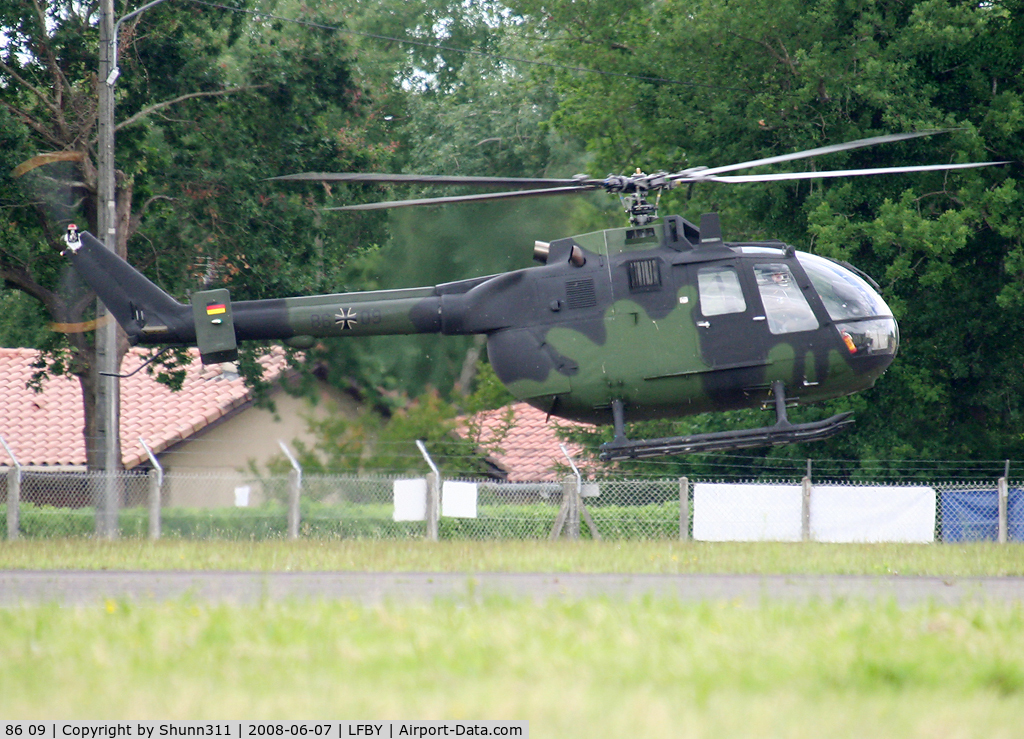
column 77, row 587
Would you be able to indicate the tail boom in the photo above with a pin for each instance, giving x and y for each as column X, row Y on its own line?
column 150, row 316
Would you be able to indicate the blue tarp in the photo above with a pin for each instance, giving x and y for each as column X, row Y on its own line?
column 973, row 515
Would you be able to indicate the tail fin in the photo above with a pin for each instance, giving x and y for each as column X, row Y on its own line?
column 145, row 312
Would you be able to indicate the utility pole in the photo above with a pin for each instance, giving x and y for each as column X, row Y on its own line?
column 107, row 382
column 108, row 391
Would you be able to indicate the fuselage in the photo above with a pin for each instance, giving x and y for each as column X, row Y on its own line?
column 671, row 327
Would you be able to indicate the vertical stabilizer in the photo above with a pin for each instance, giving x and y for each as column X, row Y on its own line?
column 142, row 308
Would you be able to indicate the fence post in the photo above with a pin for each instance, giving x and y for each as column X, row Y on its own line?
column 13, row 494
column 294, row 492
column 156, row 486
column 433, row 499
column 581, row 508
column 563, row 511
column 805, row 508
column 13, row 502
column 571, row 490
column 1004, row 499
column 433, row 494
column 684, row 509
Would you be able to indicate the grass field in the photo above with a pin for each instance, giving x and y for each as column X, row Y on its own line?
column 963, row 560
column 588, row 668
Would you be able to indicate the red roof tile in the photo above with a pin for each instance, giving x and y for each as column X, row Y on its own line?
column 47, row 428
column 530, row 451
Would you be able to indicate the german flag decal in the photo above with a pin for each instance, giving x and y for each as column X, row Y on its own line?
column 216, row 309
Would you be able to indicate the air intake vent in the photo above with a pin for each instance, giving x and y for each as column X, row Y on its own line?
column 644, row 275
column 641, row 234
column 580, row 294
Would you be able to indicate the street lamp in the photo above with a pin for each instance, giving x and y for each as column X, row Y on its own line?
column 112, row 76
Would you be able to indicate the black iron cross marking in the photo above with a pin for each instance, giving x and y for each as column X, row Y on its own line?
column 346, row 318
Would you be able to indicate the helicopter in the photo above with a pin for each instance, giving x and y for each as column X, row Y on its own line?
column 659, row 319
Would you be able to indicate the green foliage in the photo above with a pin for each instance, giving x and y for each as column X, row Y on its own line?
column 44, row 522
column 24, row 321
column 459, row 113
column 351, row 521
column 384, row 438
column 489, row 393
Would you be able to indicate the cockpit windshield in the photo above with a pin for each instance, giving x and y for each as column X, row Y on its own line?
column 846, row 295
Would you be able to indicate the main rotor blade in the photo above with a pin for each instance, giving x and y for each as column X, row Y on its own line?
column 468, row 198
column 858, row 144
column 427, row 179
column 843, row 172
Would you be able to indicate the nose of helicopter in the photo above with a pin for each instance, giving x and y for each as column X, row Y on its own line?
column 864, row 321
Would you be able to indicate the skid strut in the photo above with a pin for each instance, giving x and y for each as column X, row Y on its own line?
column 783, row 432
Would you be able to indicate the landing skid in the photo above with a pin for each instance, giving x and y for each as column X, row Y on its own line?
column 783, row 432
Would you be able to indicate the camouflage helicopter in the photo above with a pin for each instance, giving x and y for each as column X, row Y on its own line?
column 660, row 319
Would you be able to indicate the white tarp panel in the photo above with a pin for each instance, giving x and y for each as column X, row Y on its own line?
column 727, row 512
column 458, row 499
column 854, row 513
column 410, row 500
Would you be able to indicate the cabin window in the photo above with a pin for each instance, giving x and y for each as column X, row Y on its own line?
column 720, row 291
column 784, row 303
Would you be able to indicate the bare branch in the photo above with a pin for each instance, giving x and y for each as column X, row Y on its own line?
column 35, row 125
column 60, row 82
column 136, row 219
column 167, row 103
column 48, row 158
column 20, row 278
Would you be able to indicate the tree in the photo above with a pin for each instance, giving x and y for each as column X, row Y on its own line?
column 374, row 441
column 211, row 102
column 468, row 109
column 709, row 83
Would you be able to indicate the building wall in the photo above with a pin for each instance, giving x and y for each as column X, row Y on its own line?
column 205, row 470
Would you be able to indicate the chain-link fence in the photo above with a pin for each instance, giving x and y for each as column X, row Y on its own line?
column 233, row 505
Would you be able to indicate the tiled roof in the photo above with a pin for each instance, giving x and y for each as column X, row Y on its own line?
column 47, row 428
column 530, row 451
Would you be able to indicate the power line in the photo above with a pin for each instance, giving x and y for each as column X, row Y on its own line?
column 472, row 52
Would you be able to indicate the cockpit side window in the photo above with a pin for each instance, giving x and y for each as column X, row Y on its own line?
column 846, row 295
column 720, row 291
column 784, row 303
